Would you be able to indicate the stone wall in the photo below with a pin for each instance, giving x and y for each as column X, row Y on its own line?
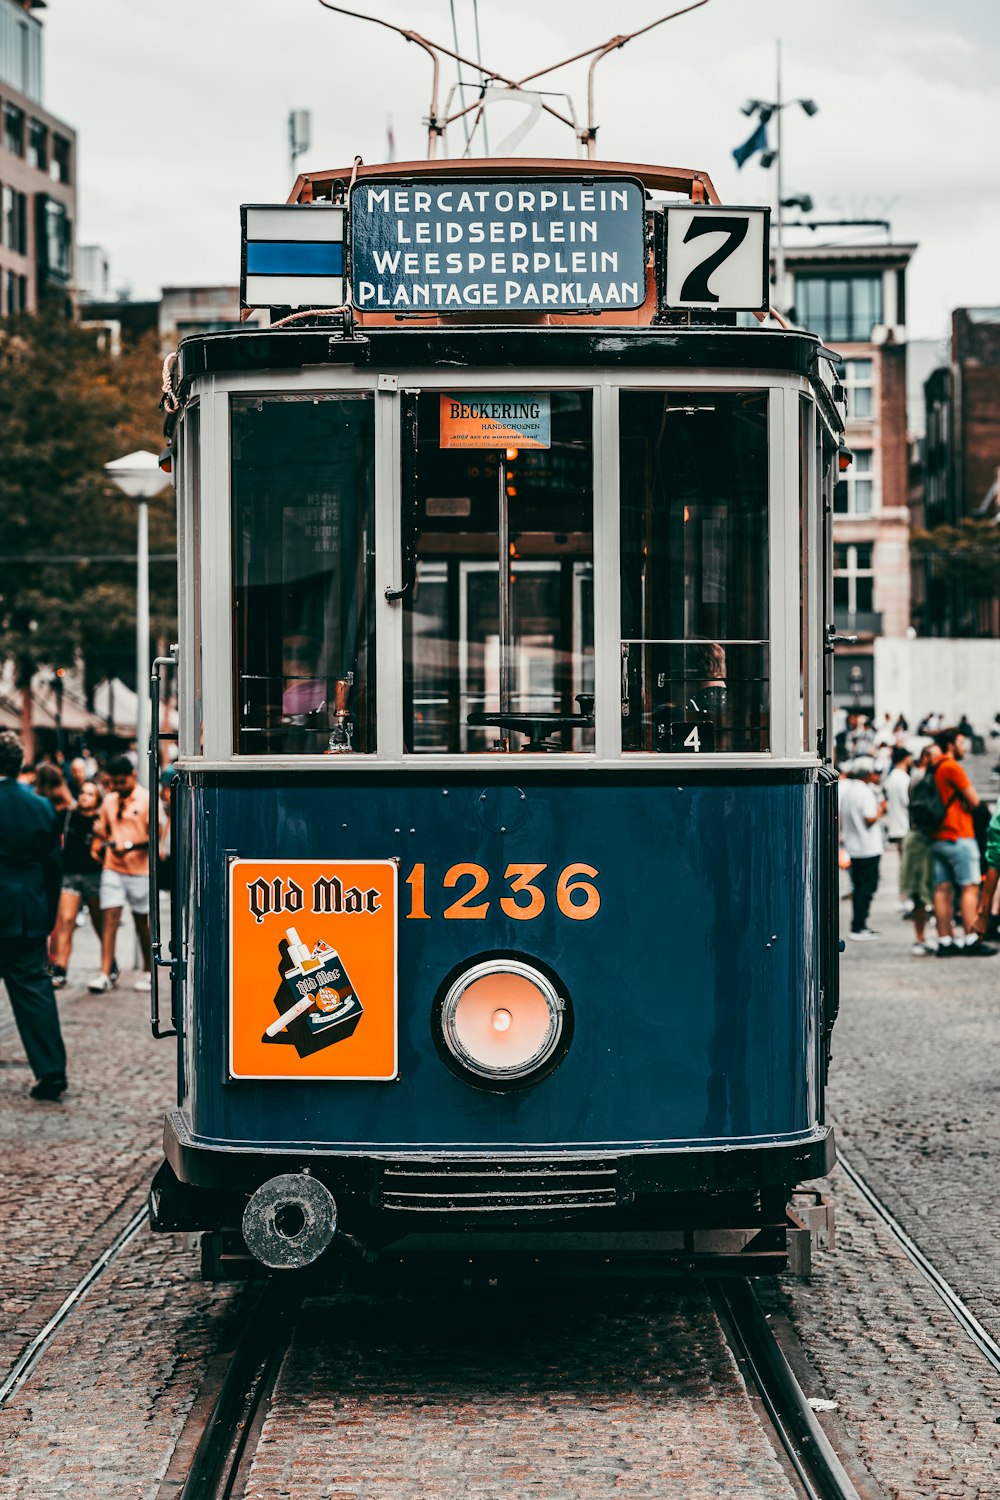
column 951, row 677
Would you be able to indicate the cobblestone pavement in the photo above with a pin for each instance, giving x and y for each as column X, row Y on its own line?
column 914, row 1094
column 631, row 1396
column 624, row 1395
column 99, row 1417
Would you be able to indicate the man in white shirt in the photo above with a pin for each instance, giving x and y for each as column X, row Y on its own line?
column 861, row 812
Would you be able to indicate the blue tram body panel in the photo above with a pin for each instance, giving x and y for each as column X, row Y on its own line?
column 695, row 988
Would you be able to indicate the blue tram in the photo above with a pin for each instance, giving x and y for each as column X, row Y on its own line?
column 505, row 920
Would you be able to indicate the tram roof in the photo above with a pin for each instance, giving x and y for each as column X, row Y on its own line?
column 640, row 334
column 696, row 184
column 257, row 350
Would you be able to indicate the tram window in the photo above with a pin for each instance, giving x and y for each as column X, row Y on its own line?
column 806, row 549
column 304, row 529
column 190, row 465
column 694, row 571
column 499, row 631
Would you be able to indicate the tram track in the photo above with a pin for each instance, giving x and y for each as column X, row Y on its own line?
column 24, row 1365
column 817, row 1467
column 963, row 1315
column 219, row 1465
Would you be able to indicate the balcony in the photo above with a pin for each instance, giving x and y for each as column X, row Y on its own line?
column 861, row 622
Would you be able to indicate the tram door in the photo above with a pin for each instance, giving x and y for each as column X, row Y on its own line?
column 499, row 623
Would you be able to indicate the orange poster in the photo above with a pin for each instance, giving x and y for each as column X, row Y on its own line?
column 312, row 969
column 496, row 419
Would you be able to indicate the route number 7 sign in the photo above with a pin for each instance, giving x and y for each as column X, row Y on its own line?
column 716, row 258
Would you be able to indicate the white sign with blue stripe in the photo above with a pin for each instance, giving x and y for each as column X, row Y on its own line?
column 293, row 255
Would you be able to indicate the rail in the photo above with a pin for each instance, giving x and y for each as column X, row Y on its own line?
column 809, row 1451
column 224, row 1448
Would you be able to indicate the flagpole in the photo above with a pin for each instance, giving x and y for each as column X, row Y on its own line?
column 779, row 250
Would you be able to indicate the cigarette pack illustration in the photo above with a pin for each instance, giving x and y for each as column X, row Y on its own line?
column 315, row 999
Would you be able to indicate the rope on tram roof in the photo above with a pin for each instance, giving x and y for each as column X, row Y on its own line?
column 169, row 402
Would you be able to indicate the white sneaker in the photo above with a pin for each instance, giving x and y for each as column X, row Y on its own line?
column 143, row 983
column 864, row 936
column 921, row 950
column 99, row 985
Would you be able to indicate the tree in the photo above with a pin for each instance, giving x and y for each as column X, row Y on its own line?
column 66, row 409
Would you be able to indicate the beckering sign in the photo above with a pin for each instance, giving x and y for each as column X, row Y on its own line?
column 503, row 245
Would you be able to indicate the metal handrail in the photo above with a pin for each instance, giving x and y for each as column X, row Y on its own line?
column 155, row 940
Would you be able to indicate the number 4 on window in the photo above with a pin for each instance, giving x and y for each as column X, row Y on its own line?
column 692, row 739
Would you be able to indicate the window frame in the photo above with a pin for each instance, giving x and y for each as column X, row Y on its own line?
column 852, row 571
column 215, row 559
column 824, row 326
column 852, row 384
column 37, row 146
column 850, row 479
column 303, row 400
column 13, row 129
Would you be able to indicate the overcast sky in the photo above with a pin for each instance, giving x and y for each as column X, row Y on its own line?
column 182, row 109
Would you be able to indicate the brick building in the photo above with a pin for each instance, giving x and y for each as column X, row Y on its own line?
column 961, row 471
column 854, row 297
column 37, row 171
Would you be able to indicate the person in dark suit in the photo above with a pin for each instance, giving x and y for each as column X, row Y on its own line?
column 30, row 877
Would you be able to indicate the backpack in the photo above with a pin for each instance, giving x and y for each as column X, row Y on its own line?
column 927, row 807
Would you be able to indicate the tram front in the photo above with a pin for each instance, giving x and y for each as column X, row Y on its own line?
column 504, row 832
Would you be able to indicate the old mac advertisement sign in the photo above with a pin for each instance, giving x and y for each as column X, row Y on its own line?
column 501, row 245
column 312, row 969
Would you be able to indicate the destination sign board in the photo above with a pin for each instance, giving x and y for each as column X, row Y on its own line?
column 499, row 244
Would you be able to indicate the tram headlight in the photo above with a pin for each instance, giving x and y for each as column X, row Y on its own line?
column 502, row 1021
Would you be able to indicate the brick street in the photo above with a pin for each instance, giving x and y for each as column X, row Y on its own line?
column 563, row 1396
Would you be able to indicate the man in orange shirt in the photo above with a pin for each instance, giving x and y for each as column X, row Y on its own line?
column 956, row 853
column 122, row 832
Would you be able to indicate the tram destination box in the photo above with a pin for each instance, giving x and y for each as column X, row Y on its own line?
column 498, row 244
column 712, row 258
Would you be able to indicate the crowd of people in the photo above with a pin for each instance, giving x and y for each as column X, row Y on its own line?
column 76, row 837
column 920, row 806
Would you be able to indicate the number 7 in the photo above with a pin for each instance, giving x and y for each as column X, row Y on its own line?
column 696, row 287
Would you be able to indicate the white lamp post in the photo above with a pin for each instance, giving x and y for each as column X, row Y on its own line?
column 139, row 476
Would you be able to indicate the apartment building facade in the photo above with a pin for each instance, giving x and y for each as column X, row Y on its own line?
column 37, row 172
column 854, row 297
column 960, row 477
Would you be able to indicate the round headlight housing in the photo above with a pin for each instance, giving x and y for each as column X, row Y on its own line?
column 502, row 1022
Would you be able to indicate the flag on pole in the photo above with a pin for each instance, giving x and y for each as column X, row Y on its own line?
column 756, row 142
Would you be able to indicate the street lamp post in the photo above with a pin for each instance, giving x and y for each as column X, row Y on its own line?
column 139, row 476
column 765, row 108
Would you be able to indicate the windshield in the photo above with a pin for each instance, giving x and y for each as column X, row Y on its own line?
column 694, row 571
column 499, row 625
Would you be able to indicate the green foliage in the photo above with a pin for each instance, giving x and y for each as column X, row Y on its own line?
column 66, row 409
column 967, row 554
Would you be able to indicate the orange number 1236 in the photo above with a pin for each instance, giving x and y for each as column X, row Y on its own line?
column 524, row 898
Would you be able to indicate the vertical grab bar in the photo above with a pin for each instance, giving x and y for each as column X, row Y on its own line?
column 155, row 940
